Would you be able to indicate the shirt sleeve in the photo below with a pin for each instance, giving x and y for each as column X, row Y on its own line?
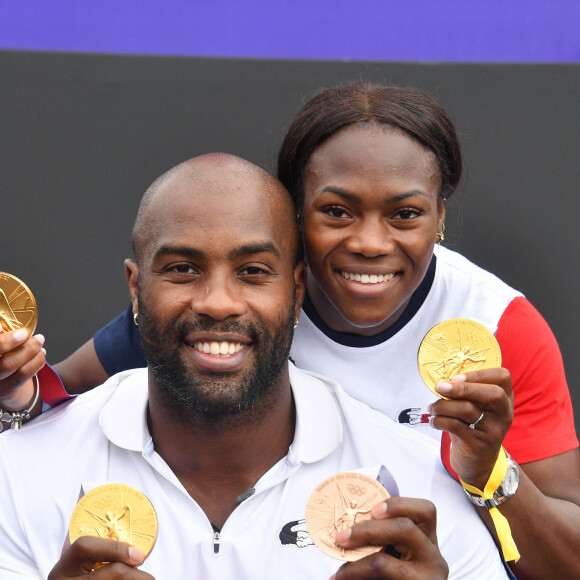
column 52, row 391
column 118, row 345
column 543, row 424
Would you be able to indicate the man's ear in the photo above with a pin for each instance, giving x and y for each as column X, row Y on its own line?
column 132, row 275
column 300, row 284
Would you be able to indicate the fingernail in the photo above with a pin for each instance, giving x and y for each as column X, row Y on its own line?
column 343, row 535
column 380, row 509
column 136, row 554
column 430, row 410
column 444, row 388
column 459, row 378
column 43, row 351
column 40, row 338
column 21, row 335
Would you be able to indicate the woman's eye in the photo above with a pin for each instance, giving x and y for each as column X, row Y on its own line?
column 407, row 214
column 335, row 211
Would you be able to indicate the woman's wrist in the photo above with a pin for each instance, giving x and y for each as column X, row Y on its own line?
column 13, row 418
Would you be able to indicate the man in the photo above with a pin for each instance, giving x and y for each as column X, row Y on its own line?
column 220, row 432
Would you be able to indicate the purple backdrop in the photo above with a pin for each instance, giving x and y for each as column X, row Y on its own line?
column 386, row 30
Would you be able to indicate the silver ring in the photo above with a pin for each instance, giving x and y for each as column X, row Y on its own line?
column 474, row 424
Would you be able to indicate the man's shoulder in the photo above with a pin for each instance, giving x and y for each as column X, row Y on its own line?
column 65, row 425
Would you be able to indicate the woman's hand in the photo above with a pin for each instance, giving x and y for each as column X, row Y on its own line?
column 477, row 415
column 20, row 359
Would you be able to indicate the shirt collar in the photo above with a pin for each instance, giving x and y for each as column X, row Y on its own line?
column 123, row 418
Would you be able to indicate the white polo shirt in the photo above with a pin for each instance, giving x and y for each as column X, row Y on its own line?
column 102, row 437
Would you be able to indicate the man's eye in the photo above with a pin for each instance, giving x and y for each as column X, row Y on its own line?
column 181, row 269
column 252, row 271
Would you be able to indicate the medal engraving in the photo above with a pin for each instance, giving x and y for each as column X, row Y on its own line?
column 338, row 503
column 117, row 512
column 17, row 305
column 456, row 346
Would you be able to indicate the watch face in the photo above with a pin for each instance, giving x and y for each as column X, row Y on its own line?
column 511, row 479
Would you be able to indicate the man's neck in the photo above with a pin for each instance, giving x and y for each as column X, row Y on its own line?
column 217, row 459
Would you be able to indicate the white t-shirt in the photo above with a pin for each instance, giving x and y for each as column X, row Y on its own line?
column 102, row 437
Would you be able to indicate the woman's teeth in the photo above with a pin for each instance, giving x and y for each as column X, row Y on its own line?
column 367, row 278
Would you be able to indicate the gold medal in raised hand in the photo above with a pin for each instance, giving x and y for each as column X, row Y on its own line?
column 17, row 305
column 117, row 512
column 454, row 347
column 338, row 503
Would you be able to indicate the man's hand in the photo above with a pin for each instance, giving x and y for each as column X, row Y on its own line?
column 20, row 360
column 409, row 525
column 475, row 449
column 79, row 559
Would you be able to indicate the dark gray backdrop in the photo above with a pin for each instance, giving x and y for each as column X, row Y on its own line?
column 84, row 135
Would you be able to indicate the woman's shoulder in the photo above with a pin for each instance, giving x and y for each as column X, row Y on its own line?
column 457, row 268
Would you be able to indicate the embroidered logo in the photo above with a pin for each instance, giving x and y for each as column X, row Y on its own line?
column 295, row 534
column 413, row 416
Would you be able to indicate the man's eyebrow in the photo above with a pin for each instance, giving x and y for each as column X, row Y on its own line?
column 255, row 248
column 196, row 253
column 169, row 250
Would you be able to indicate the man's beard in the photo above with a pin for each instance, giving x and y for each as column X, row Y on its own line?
column 213, row 393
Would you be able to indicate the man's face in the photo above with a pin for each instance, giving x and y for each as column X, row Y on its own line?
column 216, row 292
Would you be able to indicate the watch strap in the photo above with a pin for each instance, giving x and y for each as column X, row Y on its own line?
column 502, row 527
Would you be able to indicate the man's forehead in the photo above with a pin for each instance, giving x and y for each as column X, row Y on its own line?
column 233, row 197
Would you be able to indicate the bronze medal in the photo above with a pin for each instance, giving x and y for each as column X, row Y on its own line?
column 117, row 512
column 456, row 346
column 17, row 305
column 338, row 503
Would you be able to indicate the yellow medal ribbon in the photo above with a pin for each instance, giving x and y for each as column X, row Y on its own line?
column 502, row 527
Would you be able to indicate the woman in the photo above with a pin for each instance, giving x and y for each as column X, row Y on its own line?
column 370, row 169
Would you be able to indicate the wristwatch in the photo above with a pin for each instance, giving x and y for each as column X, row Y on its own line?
column 507, row 488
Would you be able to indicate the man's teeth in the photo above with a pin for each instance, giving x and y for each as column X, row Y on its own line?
column 219, row 348
column 367, row 278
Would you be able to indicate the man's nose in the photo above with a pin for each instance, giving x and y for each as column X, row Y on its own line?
column 219, row 298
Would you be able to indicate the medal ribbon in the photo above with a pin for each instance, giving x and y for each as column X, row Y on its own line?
column 502, row 527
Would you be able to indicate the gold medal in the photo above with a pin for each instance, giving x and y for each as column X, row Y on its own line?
column 338, row 503
column 117, row 512
column 17, row 305
column 456, row 346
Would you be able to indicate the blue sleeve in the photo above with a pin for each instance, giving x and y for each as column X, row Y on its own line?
column 118, row 345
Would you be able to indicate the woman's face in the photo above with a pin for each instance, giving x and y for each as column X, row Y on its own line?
column 370, row 216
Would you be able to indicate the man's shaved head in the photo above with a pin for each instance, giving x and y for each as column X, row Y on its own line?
column 212, row 172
